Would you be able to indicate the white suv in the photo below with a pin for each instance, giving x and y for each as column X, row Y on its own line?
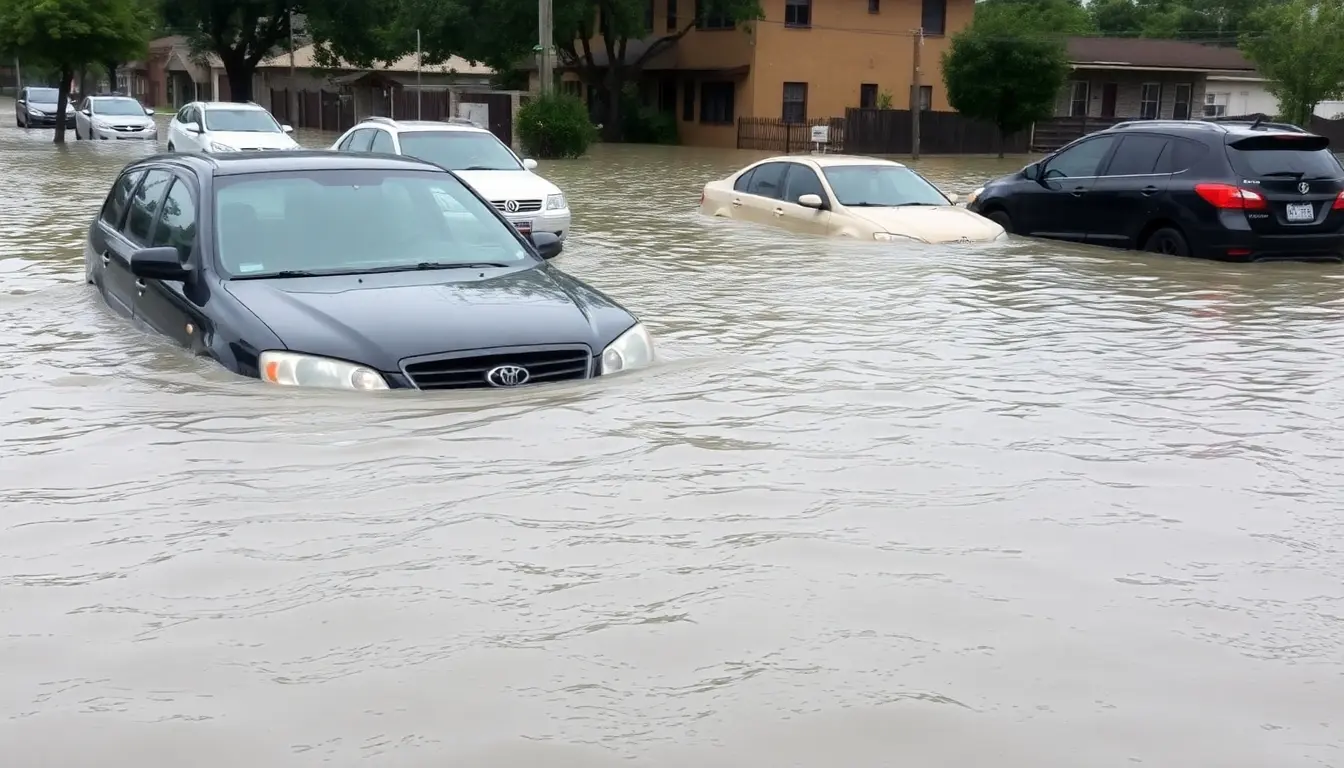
column 528, row 201
column 223, row 126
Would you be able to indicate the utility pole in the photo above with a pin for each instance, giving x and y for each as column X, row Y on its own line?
column 293, row 107
column 18, row 77
column 915, row 87
column 545, row 42
column 419, row 80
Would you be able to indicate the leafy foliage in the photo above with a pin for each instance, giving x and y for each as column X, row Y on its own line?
column 999, row 72
column 1209, row 21
column 240, row 32
column 1299, row 50
column 1063, row 17
column 68, row 35
column 555, row 125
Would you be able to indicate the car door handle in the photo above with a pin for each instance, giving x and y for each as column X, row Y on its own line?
column 107, row 258
column 1148, row 191
column 1079, row 191
column 737, row 203
column 779, row 211
column 140, row 286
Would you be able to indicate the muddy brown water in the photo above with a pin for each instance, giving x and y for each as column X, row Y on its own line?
column 1024, row 505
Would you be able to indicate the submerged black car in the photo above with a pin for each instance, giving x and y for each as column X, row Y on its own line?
column 362, row 272
column 1245, row 190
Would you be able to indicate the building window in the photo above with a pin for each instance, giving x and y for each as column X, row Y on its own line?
column 1150, row 101
column 667, row 97
column 717, row 20
column 795, row 103
column 648, row 15
column 1078, row 98
column 797, row 13
column 925, row 98
column 671, row 15
column 688, row 101
column 874, row 6
column 1181, row 109
column 868, row 96
column 716, row 103
column 1215, row 104
column 935, row 17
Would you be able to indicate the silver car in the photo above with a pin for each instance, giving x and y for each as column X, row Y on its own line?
column 114, row 117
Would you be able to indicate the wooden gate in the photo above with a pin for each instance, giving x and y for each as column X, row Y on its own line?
column 501, row 112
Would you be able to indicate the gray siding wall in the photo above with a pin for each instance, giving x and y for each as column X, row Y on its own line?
column 1129, row 91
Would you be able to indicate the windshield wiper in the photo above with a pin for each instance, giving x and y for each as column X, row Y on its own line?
column 425, row 265
column 902, row 205
column 281, row 273
column 481, row 168
column 865, row 205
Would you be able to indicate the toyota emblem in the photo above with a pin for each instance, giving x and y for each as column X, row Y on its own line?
column 507, row 375
column 1304, row 187
column 511, row 206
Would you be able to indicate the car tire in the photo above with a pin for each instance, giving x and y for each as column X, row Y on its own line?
column 1002, row 219
column 1168, row 241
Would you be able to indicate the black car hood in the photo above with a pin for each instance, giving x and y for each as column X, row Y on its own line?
column 381, row 319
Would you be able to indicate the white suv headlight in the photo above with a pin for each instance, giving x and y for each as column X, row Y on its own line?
column 215, row 146
column 633, row 349
column 888, row 237
column 555, row 202
column 292, row 369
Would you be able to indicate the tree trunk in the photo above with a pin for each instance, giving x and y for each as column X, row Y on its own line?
column 111, row 67
column 62, row 96
column 240, row 78
column 611, row 124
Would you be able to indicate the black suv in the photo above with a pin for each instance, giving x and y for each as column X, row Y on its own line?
column 1233, row 191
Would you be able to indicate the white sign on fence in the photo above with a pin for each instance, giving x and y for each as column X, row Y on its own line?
column 477, row 113
column 821, row 134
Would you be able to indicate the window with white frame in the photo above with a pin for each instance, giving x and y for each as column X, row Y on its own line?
column 1215, row 104
column 1150, row 101
column 1078, row 96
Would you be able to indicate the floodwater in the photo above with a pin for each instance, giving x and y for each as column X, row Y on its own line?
column 1024, row 506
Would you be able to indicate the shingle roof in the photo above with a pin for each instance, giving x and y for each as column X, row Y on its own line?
column 305, row 58
column 1158, row 54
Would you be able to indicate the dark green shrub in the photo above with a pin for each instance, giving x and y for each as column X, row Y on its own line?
column 645, row 125
column 555, row 125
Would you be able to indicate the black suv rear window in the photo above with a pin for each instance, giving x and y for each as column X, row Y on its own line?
column 1304, row 156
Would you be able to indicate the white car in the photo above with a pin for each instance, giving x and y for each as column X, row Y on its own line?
column 525, row 199
column 224, row 126
column 114, row 117
column 845, row 196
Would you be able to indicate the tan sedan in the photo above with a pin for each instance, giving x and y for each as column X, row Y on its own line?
column 844, row 196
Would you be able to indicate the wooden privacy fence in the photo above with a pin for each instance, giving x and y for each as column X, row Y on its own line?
column 336, row 110
column 890, row 132
column 778, row 136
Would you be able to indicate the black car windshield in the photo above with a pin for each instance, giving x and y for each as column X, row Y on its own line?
column 460, row 150
column 352, row 221
column 43, row 95
column 245, row 120
column 870, row 186
column 117, row 107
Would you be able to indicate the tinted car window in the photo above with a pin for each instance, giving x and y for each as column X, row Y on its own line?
column 802, row 181
column 881, row 186
column 1080, row 160
column 1137, row 155
column 382, row 142
column 241, row 120
column 145, row 206
column 177, row 220
column 460, row 150
column 1180, row 155
column 361, row 140
column 182, row 114
column 1285, row 161
column 743, row 182
column 115, row 205
column 767, row 180
column 347, row 221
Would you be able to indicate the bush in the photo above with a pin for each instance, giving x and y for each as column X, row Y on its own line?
column 645, row 125
column 555, row 125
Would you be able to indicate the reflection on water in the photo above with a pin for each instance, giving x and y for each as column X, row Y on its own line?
column 1024, row 505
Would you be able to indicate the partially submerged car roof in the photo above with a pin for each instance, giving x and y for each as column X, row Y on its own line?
column 238, row 163
column 826, row 161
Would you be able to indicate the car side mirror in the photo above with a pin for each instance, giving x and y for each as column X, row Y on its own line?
column 546, row 243
column 529, row 164
column 86, row 112
column 193, row 127
column 287, row 128
column 148, row 111
column 1032, row 172
column 161, row 263
column 811, row 201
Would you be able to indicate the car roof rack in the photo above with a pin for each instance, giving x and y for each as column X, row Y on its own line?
column 379, row 119
column 1164, row 124
column 463, row 121
column 1259, row 122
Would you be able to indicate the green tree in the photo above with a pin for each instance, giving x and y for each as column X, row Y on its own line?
column 1298, row 49
column 68, row 35
column 1064, row 17
column 1002, row 73
column 1217, row 22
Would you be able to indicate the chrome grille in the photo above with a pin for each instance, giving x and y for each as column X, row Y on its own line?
column 524, row 206
column 129, row 128
column 468, row 370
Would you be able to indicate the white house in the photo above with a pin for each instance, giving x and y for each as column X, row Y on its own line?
column 1239, row 94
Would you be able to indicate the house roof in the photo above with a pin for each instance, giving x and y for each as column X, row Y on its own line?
column 305, row 58
column 1151, row 53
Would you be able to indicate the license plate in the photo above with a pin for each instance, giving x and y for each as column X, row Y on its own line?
column 1301, row 212
column 525, row 227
